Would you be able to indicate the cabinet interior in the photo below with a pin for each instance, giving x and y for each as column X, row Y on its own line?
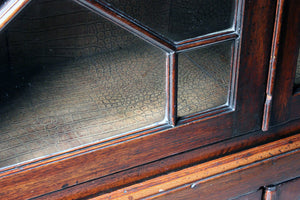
column 69, row 78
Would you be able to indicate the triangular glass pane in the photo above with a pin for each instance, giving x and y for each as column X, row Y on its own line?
column 180, row 19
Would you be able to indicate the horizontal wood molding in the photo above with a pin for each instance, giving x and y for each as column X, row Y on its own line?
column 288, row 190
column 190, row 176
column 173, row 163
column 238, row 183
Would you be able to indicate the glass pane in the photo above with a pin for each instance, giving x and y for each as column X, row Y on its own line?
column 180, row 19
column 69, row 77
column 297, row 78
column 2, row 2
column 204, row 77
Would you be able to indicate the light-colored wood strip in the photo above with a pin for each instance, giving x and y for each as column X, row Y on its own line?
column 205, row 170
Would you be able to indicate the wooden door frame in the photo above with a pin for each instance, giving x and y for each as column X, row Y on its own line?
column 99, row 160
column 286, row 100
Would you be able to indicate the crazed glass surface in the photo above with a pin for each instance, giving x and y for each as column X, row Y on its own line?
column 297, row 78
column 68, row 77
column 180, row 19
column 204, row 77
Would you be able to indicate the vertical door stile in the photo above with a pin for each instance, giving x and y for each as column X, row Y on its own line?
column 272, row 66
column 172, row 94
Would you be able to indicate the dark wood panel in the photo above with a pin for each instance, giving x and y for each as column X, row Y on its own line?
column 257, row 195
column 273, row 65
column 285, row 104
column 179, row 161
column 223, row 178
column 289, row 190
column 255, row 53
column 295, row 106
column 104, row 160
column 244, row 181
column 283, row 191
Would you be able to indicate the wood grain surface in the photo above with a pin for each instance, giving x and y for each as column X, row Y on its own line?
column 119, row 163
column 286, row 101
column 190, row 183
column 288, row 190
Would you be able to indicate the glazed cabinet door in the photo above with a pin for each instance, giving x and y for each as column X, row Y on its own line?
column 284, row 75
column 99, row 87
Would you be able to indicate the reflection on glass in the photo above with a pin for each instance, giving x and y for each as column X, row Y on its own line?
column 180, row 19
column 297, row 78
column 204, row 77
column 2, row 2
column 69, row 77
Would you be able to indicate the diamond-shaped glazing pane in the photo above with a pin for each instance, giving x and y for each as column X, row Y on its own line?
column 204, row 77
column 180, row 19
column 70, row 77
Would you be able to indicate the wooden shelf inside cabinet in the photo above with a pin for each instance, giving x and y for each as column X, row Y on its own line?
column 94, row 90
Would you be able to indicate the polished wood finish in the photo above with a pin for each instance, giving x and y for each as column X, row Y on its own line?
column 288, row 190
column 282, row 191
column 254, row 42
column 285, row 101
column 251, row 196
column 200, row 155
column 215, row 149
column 202, row 179
column 272, row 67
column 270, row 193
column 237, row 183
column 173, row 89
